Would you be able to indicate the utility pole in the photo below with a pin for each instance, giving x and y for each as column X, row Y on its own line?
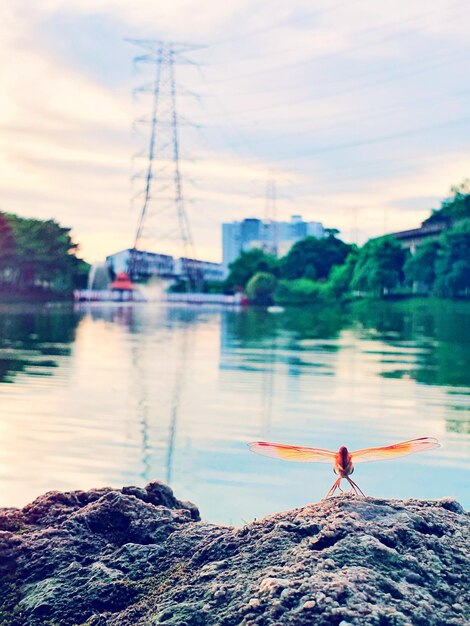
column 355, row 224
column 163, row 149
column 270, row 212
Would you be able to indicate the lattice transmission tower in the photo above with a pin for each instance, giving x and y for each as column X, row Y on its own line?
column 161, row 173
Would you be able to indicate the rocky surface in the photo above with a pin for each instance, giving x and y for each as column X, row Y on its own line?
column 136, row 556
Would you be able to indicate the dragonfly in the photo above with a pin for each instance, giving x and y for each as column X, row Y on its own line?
column 343, row 461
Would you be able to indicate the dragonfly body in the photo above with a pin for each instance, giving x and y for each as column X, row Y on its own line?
column 343, row 461
column 343, row 465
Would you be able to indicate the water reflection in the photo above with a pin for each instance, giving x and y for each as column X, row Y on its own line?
column 141, row 392
column 29, row 338
column 435, row 333
column 254, row 326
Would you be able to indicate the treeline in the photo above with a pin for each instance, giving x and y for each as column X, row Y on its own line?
column 38, row 259
column 316, row 269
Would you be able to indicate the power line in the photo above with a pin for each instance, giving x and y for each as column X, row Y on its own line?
column 352, row 114
column 352, row 49
column 280, row 24
column 448, row 60
column 374, row 140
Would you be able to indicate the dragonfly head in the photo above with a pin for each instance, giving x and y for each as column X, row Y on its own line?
column 343, row 462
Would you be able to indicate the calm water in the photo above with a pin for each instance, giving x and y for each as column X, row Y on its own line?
column 114, row 395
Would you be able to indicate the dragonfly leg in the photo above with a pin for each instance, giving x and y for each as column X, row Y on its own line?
column 357, row 490
column 333, row 488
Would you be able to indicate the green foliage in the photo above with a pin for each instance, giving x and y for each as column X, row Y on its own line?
column 38, row 256
column 260, row 288
column 379, row 266
column 315, row 269
column 456, row 207
column 313, row 258
column 339, row 280
column 214, row 286
column 247, row 265
column 453, row 262
column 420, row 267
column 301, row 291
column 179, row 286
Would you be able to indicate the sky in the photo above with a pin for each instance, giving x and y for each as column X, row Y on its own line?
column 358, row 111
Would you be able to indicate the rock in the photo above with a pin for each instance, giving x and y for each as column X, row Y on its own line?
column 134, row 556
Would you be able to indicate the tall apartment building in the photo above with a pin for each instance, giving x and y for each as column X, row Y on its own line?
column 273, row 237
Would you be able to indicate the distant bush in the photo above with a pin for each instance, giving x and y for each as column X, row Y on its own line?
column 247, row 265
column 214, row 286
column 179, row 286
column 301, row 291
column 260, row 288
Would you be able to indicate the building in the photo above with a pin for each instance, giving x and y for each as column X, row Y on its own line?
column 429, row 230
column 273, row 237
column 142, row 265
column 208, row 270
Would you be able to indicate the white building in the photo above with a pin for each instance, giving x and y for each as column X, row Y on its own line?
column 274, row 237
column 194, row 267
column 142, row 264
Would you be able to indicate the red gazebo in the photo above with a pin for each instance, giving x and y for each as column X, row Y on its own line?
column 123, row 284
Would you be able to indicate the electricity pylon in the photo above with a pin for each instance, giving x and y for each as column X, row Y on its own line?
column 162, row 171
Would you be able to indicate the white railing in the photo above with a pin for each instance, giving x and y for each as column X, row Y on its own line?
column 204, row 298
column 110, row 295
column 107, row 295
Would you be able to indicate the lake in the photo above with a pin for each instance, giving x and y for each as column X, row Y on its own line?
column 125, row 394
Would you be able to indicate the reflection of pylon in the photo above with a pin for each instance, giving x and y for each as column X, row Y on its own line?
column 180, row 378
column 164, row 146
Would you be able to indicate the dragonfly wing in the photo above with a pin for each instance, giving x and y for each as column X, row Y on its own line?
column 397, row 449
column 300, row 454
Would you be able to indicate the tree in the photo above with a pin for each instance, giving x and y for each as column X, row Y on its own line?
column 38, row 254
column 260, row 288
column 379, row 266
column 453, row 262
column 247, row 265
column 314, row 258
column 339, row 280
column 456, row 207
column 420, row 267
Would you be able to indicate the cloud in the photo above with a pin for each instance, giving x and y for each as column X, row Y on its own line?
column 354, row 105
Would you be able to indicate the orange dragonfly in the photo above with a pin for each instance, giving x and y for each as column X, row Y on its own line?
column 343, row 461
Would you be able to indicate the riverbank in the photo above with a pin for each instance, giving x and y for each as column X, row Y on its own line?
column 134, row 556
